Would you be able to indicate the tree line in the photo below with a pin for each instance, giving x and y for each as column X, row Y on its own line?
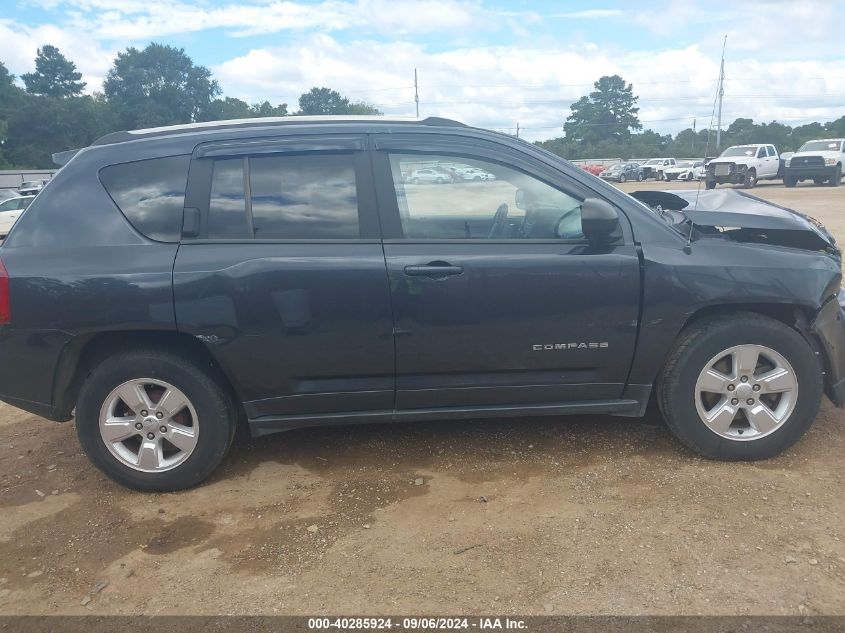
column 150, row 87
column 606, row 124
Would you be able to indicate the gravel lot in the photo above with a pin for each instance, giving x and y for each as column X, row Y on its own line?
column 583, row 515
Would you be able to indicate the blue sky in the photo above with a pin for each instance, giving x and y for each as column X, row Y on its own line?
column 487, row 62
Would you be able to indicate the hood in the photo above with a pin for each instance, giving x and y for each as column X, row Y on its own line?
column 818, row 152
column 738, row 215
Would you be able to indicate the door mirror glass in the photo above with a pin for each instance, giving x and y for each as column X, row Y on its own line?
column 599, row 219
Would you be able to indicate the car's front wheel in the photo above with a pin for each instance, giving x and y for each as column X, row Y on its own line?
column 836, row 178
column 743, row 387
column 154, row 421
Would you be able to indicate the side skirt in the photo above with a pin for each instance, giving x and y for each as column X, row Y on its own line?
column 266, row 425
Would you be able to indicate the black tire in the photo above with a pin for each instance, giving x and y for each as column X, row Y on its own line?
column 750, row 179
column 836, row 179
column 818, row 181
column 709, row 184
column 639, row 177
column 216, row 416
column 697, row 345
column 790, row 181
column 621, row 178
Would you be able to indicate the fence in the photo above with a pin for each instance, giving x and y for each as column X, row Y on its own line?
column 12, row 178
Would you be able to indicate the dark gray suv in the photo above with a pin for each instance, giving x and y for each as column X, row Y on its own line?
column 169, row 283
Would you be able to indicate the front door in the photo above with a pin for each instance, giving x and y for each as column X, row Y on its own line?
column 498, row 298
column 284, row 280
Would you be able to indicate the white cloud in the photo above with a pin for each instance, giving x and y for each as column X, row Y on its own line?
column 138, row 20
column 590, row 14
column 498, row 86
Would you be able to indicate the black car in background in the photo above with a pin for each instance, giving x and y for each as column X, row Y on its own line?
column 170, row 283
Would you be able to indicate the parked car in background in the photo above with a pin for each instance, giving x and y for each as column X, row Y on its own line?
column 10, row 210
column 820, row 161
column 473, row 173
column 595, row 170
column 428, row 175
column 622, row 172
column 5, row 194
column 656, row 167
column 743, row 165
column 31, row 187
column 685, row 170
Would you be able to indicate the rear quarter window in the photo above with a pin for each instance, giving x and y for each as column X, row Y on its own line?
column 151, row 194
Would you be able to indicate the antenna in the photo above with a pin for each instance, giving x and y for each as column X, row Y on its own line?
column 719, row 93
column 517, row 129
column 416, row 93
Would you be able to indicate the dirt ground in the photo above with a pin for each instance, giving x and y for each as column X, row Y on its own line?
column 582, row 515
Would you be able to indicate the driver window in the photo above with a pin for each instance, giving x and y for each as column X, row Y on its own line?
column 452, row 197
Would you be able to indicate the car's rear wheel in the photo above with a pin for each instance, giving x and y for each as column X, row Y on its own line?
column 154, row 421
column 709, row 184
column 621, row 178
column 744, row 387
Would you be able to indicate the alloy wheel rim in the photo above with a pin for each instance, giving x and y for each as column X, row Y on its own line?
column 149, row 425
column 746, row 392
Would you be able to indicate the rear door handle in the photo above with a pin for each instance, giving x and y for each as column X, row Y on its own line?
column 434, row 269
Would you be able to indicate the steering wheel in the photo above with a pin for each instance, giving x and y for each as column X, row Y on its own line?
column 500, row 220
column 562, row 218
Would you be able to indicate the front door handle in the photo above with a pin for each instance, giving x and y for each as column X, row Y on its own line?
column 434, row 269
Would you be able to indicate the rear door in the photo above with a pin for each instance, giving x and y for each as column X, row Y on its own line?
column 498, row 298
column 281, row 274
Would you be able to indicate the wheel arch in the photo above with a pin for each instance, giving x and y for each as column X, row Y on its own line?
column 83, row 353
column 795, row 316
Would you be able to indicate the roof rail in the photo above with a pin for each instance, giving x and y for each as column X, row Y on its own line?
column 120, row 137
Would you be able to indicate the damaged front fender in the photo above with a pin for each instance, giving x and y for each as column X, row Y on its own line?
column 829, row 327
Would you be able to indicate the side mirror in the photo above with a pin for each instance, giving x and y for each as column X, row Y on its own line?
column 599, row 219
column 519, row 199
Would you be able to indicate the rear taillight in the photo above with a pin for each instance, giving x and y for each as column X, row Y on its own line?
column 5, row 301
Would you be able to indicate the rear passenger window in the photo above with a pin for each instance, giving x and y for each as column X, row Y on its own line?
column 304, row 197
column 151, row 194
column 289, row 197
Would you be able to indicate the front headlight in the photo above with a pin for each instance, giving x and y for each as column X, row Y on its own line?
column 830, row 161
column 788, row 162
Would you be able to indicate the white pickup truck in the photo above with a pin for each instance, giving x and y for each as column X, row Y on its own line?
column 819, row 161
column 743, row 165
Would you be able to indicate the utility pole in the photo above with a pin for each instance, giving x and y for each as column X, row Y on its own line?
column 692, row 143
column 416, row 93
column 721, row 94
column 517, row 129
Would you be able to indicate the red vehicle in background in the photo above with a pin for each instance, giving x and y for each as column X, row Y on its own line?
column 595, row 170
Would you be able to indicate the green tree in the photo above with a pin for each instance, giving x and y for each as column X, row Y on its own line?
column 328, row 101
column 158, row 85
column 54, row 76
column 609, row 112
column 232, row 108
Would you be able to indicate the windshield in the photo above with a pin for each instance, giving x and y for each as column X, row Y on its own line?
column 684, row 163
column 740, row 150
column 821, row 146
column 655, row 161
column 30, row 183
column 615, row 167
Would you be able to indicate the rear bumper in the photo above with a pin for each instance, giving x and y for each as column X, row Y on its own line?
column 829, row 327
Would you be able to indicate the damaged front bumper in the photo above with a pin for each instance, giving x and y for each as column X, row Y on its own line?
column 829, row 327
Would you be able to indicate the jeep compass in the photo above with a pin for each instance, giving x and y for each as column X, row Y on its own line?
column 168, row 284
